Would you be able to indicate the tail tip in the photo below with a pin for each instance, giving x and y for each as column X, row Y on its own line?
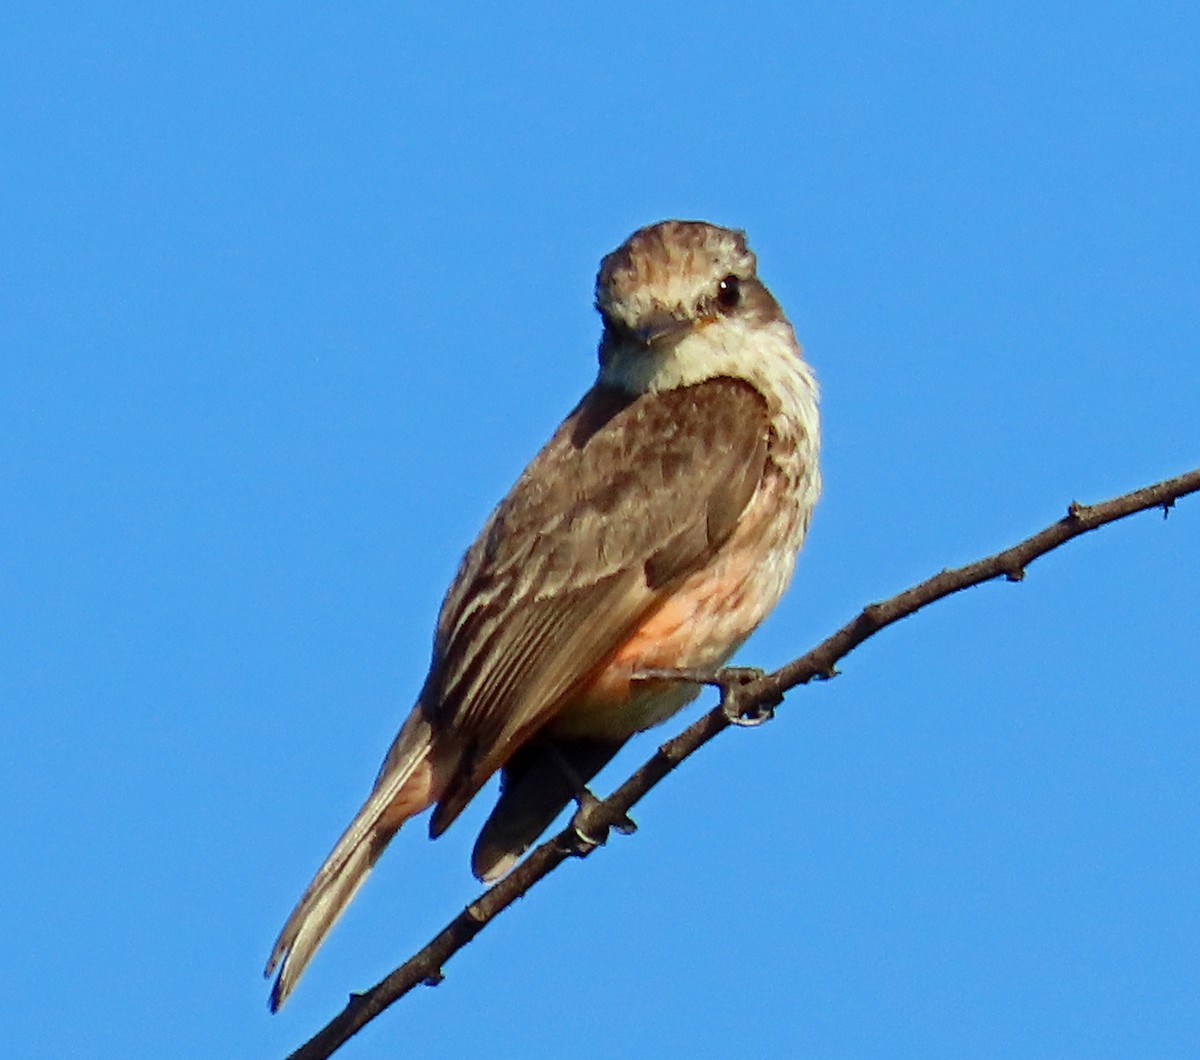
column 279, row 994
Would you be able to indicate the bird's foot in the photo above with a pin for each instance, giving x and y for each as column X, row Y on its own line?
column 590, row 833
column 730, row 680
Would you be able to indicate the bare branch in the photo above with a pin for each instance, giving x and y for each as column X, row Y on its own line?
column 743, row 694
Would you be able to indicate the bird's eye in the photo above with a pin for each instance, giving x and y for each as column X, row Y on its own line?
column 729, row 292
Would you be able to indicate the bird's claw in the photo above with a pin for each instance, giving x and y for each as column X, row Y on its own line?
column 731, row 679
column 588, row 834
column 748, row 717
column 625, row 826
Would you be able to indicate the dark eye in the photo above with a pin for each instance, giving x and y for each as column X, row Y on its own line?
column 729, row 292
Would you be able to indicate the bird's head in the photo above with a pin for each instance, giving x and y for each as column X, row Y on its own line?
column 664, row 288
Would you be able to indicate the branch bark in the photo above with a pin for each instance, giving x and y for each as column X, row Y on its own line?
column 744, row 694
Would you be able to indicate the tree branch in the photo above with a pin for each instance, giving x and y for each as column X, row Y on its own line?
column 743, row 694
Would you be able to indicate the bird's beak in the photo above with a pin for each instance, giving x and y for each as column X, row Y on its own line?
column 665, row 329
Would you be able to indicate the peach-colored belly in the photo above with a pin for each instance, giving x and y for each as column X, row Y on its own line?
column 699, row 625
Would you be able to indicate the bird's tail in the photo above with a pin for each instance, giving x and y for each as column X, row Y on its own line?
column 405, row 786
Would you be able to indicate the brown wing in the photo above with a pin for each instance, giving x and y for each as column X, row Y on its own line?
column 628, row 497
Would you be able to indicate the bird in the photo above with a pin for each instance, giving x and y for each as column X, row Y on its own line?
column 648, row 538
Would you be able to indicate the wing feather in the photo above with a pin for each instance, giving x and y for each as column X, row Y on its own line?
column 631, row 495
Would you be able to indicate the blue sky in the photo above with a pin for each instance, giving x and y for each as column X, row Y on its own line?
column 290, row 294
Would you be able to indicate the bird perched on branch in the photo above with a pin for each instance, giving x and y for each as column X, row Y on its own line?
column 653, row 532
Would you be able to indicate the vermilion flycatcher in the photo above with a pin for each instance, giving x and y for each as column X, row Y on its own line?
column 654, row 531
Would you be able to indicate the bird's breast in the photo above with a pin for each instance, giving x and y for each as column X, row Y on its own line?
column 700, row 623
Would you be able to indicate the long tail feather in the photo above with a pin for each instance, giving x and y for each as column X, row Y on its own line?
column 402, row 790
